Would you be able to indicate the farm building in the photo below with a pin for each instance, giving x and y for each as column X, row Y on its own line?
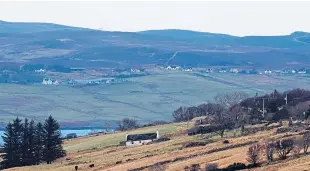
column 141, row 139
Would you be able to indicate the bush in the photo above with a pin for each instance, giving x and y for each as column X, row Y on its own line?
column 194, row 144
column 195, row 167
column 284, row 147
column 283, row 130
column 226, row 142
column 157, row 167
column 127, row 124
column 253, row 154
column 211, row 167
column 235, row 166
column 162, row 139
column 306, row 142
column 122, row 143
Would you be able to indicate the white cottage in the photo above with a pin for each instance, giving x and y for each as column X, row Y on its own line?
column 141, row 139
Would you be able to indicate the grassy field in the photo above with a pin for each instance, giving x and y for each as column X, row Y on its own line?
column 147, row 98
column 102, row 151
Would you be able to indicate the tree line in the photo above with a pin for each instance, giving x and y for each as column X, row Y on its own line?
column 29, row 143
column 234, row 110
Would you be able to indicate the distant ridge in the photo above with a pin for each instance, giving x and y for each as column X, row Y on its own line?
column 49, row 43
column 29, row 27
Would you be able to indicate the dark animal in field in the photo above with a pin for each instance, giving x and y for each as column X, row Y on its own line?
column 92, row 165
column 76, row 167
column 118, row 162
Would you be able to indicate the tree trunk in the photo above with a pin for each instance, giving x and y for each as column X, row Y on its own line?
column 222, row 133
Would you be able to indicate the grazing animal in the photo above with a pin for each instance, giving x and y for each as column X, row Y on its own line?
column 92, row 165
column 76, row 167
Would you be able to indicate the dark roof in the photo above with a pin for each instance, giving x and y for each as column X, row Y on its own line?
column 138, row 137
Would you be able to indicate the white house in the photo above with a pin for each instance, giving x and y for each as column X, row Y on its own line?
column 47, row 81
column 234, row 70
column 268, row 71
column 173, row 67
column 39, row 70
column 302, row 71
column 188, row 69
column 141, row 139
column 135, row 70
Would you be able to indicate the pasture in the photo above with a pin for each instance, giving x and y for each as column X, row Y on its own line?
column 147, row 98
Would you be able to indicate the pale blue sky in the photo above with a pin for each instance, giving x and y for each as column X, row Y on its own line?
column 236, row 18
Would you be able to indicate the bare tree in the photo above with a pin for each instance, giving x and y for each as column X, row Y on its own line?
column 284, row 147
column 230, row 99
column 221, row 120
column 269, row 149
column 239, row 115
column 254, row 154
column 127, row 124
column 306, row 142
column 298, row 145
column 298, row 111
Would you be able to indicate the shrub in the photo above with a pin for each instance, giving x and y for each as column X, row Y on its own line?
column 162, row 139
column 269, row 149
column 298, row 146
column 284, row 147
column 194, row 144
column 195, row 167
column 226, row 142
column 157, row 167
column 235, row 166
column 283, row 130
column 122, row 143
column 211, row 167
column 253, row 154
column 306, row 142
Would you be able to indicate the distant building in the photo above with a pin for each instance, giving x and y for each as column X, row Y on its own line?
column 294, row 71
column 188, row 69
column 209, row 70
column 71, row 135
column 285, row 71
column 39, row 70
column 173, row 67
column 141, row 139
column 77, row 69
column 135, row 70
column 47, row 81
column 268, row 71
column 234, row 70
column 302, row 71
column 223, row 70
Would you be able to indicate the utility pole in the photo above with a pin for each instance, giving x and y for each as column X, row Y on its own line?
column 263, row 107
column 286, row 98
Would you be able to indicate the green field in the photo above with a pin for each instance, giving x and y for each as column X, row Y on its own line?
column 147, row 98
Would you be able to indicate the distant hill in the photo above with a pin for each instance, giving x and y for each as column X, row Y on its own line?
column 79, row 47
column 22, row 27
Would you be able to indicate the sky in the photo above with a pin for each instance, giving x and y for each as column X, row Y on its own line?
column 235, row 18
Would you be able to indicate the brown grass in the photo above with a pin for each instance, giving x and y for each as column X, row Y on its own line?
column 82, row 152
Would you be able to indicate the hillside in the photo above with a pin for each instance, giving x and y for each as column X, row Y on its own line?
column 77, row 47
column 104, row 152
